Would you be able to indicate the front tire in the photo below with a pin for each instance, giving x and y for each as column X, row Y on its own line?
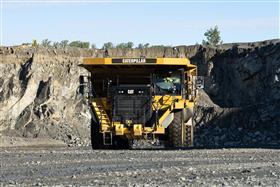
column 96, row 136
column 180, row 134
column 176, row 137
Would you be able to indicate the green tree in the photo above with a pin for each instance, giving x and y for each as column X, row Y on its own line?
column 213, row 37
column 108, row 45
column 46, row 43
column 121, row 46
column 140, row 46
column 64, row 43
column 34, row 43
column 80, row 44
column 129, row 45
column 75, row 44
column 146, row 45
column 85, row 45
column 93, row 46
column 56, row 44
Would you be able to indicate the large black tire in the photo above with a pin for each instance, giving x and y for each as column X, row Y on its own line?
column 180, row 135
column 176, row 131
column 96, row 136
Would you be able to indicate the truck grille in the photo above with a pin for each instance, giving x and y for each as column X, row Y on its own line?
column 136, row 108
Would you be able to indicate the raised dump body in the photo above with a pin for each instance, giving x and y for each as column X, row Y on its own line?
column 141, row 99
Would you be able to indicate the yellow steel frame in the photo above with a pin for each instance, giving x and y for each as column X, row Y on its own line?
column 159, row 61
column 167, row 102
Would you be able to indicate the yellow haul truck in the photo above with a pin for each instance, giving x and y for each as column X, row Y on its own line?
column 138, row 99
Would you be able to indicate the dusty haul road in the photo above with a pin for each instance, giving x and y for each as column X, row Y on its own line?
column 86, row 167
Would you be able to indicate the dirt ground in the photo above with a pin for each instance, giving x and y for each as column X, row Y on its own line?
column 86, row 167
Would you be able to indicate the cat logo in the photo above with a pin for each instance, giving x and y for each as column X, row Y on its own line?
column 130, row 91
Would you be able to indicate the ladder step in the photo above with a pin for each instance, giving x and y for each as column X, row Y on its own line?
column 105, row 122
column 102, row 115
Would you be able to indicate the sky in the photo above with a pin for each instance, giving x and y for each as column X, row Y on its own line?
column 160, row 22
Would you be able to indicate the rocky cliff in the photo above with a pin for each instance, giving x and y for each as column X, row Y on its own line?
column 40, row 94
column 243, row 83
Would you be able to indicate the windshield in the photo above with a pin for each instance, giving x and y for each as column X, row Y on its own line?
column 168, row 82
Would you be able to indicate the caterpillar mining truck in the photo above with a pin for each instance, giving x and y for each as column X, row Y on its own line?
column 141, row 99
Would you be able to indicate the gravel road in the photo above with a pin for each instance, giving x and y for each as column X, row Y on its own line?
column 86, row 167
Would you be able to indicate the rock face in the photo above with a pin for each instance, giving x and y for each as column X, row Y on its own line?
column 40, row 93
column 243, row 82
column 40, row 96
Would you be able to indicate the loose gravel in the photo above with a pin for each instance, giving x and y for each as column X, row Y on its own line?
column 87, row 167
